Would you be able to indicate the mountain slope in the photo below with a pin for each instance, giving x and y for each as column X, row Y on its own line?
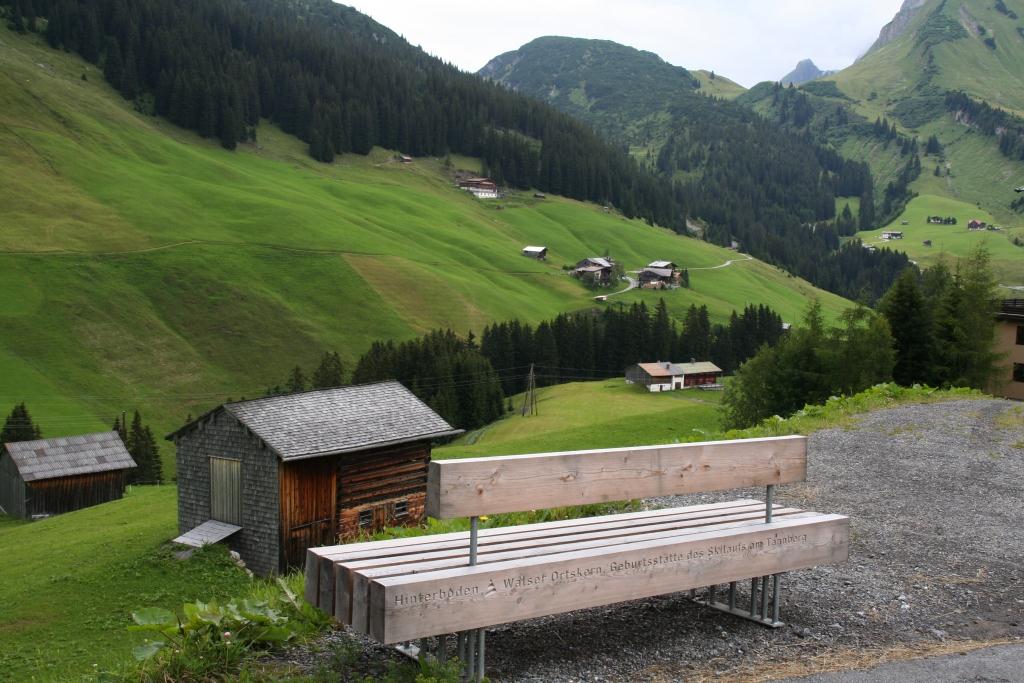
column 940, row 91
column 622, row 91
column 147, row 267
column 742, row 176
column 804, row 71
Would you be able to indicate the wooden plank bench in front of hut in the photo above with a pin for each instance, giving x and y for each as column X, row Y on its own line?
column 416, row 588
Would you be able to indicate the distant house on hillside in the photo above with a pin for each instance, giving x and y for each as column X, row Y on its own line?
column 892, row 235
column 277, row 475
column 660, row 275
column 663, row 376
column 481, row 188
column 51, row 476
column 975, row 224
column 405, row 158
column 539, row 253
column 596, row 269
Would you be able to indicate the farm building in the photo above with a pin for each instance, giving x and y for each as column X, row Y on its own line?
column 51, row 476
column 277, row 475
column 663, row 376
column 659, row 275
column 539, row 253
column 975, row 224
column 596, row 269
column 892, row 235
column 482, row 188
column 1010, row 344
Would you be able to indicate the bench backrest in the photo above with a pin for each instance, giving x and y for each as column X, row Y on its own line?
column 515, row 483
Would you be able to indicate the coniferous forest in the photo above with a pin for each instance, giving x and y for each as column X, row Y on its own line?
column 343, row 84
column 465, row 379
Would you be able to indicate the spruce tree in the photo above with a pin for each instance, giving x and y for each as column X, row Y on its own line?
column 910, row 320
column 296, row 381
column 19, row 426
column 330, row 372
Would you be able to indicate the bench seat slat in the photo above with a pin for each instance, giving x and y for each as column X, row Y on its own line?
column 449, row 600
column 354, row 585
column 682, row 522
column 320, row 579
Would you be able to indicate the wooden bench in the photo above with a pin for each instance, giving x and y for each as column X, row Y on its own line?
column 406, row 589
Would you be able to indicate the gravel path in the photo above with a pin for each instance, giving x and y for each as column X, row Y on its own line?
column 935, row 494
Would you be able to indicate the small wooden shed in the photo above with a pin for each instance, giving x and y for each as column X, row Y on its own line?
column 50, row 476
column 284, row 473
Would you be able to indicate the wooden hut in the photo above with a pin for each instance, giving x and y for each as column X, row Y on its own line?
column 50, row 476
column 277, row 475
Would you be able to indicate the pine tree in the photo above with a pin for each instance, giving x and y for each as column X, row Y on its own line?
column 977, row 323
column 142, row 446
column 910, row 321
column 19, row 426
column 330, row 372
column 296, row 381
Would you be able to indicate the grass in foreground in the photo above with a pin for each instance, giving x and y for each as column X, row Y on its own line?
column 69, row 584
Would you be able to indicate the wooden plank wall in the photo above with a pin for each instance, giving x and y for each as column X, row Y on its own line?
column 307, row 507
column 374, row 481
column 66, row 494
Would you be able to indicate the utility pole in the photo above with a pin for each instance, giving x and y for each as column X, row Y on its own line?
column 530, row 397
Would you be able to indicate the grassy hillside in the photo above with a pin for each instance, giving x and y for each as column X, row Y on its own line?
column 604, row 414
column 952, row 240
column 68, row 596
column 717, row 85
column 943, row 48
column 148, row 268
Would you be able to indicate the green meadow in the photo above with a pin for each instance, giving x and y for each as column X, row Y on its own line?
column 73, row 580
column 600, row 414
column 148, row 268
column 952, row 241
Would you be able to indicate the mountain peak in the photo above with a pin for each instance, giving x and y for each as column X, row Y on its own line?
column 898, row 25
column 805, row 70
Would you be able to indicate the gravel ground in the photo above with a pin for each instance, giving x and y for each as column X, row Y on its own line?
column 935, row 494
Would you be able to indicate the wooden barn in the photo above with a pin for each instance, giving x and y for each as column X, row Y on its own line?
column 276, row 475
column 51, row 476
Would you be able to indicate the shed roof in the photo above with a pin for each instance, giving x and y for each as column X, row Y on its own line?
column 68, row 456
column 661, row 264
column 339, row 420
column 658, row 369
column 532, row 248
column 598, row 261
column 657, row 272
column 701, row 367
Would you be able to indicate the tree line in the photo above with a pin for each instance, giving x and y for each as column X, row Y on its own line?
column 138, row 439
column 935, row 327
column 466, row 380
column 589, row 345
column 341, row 83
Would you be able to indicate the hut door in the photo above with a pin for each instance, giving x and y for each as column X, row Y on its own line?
column 226, row 490
column 307, row 508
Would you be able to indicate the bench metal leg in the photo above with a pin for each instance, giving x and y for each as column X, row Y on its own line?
column 753, row 614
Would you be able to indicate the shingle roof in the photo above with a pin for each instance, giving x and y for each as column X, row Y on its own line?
column 659, row 272
column 658, row 369
column 340, row 420
column 599, row 261
column 660, row 264
column 69, row 455
column 696, row 368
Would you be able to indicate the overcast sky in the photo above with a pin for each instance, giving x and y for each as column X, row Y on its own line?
column 746, row 40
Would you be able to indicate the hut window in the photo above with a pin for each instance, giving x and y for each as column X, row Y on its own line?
column 226, row 490
column 365, row 518
column 401, row 509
